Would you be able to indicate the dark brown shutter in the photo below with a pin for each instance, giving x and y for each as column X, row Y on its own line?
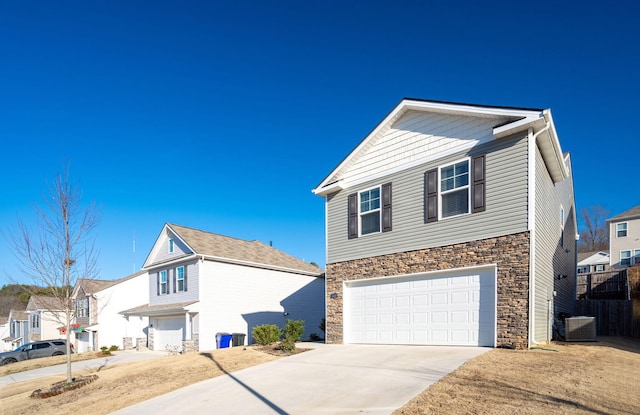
column 431, row 196
column 386, row 207
column 353, row 215
column 478, row 184
column 158, row 282
column 173, row 279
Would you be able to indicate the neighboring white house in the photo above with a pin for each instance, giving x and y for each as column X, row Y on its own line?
column 589, row 262
column 46, row 318
column 624, row 238
column 98, row 305
column 4, row 331
column 200, row 284
column 18, row 329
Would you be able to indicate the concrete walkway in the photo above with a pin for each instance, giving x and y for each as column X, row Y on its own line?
column 332, row 379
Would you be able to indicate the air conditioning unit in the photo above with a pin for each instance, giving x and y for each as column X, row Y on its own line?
column 580, row 329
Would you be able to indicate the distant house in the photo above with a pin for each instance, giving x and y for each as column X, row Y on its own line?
column 589, row 262
column 451, row 224
column 18, row 329
column 46, row 318
column 4, row 332
column 624, row 238
column 200, row 284
column 98, row 305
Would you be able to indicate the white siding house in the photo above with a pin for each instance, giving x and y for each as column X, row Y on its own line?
column 200, row 284
column 624, row 239
column 46, row 318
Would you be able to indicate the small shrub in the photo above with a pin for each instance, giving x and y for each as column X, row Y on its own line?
column 105, row 350
column 287, row 344
column 293, row 330
column 266, row 334
column 113, row 348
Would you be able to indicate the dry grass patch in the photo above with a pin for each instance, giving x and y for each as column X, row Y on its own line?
column 125, row 384
column 45, row 362
column 580, row 378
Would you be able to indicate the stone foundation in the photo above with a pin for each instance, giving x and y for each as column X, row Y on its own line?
column 141, row 343
column 127, row 343
column 510, row 253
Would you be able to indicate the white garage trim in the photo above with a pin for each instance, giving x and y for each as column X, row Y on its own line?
column 452, row 307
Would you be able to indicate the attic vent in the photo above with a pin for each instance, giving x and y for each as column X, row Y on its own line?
column 580, row 329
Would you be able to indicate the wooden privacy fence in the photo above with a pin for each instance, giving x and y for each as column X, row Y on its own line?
column 603, row 285
column 613, row 317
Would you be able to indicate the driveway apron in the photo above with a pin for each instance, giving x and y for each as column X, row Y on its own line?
column 331, row 379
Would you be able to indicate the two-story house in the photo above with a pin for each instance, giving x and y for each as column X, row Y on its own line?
column 451, row 224
column 98, row 321
column 18, row 323
column 200, row 284
column 46, row 318
column 624, row 238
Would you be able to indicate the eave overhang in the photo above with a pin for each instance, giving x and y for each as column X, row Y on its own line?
column 523, row 119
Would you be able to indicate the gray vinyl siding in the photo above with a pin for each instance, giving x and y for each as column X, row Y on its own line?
column 193, row 282
column 551, row 257
column 506, row 211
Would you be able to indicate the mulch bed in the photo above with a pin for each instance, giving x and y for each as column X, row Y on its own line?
column 62, row 386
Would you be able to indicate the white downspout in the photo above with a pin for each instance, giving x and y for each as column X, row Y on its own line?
column 532, row 227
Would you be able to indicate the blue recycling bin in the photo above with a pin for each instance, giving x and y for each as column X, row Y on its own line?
column 223, row 340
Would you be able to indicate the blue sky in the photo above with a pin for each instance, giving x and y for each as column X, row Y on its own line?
column 223, row 116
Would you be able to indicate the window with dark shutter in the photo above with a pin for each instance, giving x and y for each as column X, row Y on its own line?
column 353, row 215
column 431, row 196
column 478, row 188
column 386, row 207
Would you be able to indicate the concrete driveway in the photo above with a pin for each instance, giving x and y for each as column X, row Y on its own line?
column 331, row 379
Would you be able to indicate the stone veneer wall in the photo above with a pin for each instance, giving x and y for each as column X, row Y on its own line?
column 511, row 253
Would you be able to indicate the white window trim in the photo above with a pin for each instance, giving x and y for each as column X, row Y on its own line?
column 562, row 219
column 178, row 279
column 166, row 282
column 468, row 186
column 171, row 247
column 626, row 229
column 379, row 210
column 630, row 258
column 599, row 268
column 636, row 254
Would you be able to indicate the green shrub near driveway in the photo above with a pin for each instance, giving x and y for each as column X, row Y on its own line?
column 266, row 334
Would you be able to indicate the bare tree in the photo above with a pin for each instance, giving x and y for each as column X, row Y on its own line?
column 595, row 235
column 60, row 250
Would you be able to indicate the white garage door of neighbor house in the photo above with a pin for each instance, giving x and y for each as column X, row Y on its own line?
column 446, row 308
column 168, row 333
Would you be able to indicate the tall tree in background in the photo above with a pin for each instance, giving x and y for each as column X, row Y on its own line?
column 59, row 250
column 595, row 235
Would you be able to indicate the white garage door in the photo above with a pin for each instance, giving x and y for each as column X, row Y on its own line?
column 168, row 333
column 452, row 308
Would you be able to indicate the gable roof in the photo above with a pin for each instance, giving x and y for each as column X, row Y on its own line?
column 632, row 213
column 91, row 286
column 217, row 247
column 19, row 315
column 508, row 121
column 593, row 258
column 37, row 302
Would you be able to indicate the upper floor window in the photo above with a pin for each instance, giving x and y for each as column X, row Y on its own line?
column 82, row 308
column 625, row 258
column 35, row 321
column 621, row 230
column 454, row 189
column 171, row 247
column 181, row 283
column 369, row 211
column 163, row 283
column 583, row 270
column 599, row 268
column 636, row 256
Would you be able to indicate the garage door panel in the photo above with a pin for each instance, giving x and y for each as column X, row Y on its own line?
column 457, row 308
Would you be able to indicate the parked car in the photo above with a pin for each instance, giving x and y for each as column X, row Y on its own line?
column 34, row 350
